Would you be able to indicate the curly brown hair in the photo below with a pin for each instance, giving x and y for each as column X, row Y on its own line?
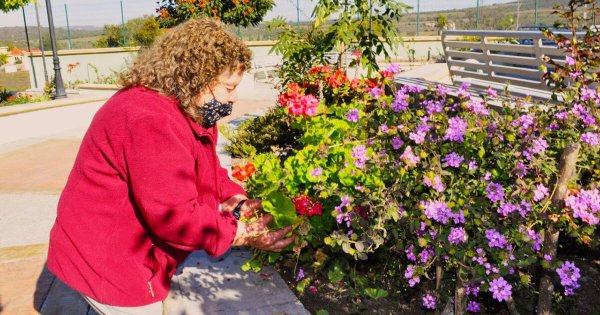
column 187, row 60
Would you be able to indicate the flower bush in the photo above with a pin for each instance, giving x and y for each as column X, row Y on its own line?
column 453, row 187
column 236, row 12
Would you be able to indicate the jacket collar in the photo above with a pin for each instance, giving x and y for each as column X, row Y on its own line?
column 200, row 131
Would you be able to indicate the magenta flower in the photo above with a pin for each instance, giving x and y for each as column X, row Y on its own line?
column 442, row 90
column 317, row 171
column 418, row 137
column 477, row 107
column 507, row 208
column 585, row 205
column 569, row 61
column 540, row 192
column 437, row 184
column 500, row 289
column 491, row 93
column 429, row 301
column 535, row 238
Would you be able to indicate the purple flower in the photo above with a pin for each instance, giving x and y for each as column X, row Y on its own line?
column 437, row 184
column 442, row 90
column 429, row 301
column 433, row 107
column 525, row 208
column 521, row 170
column 569, row 61
column 300, row 275
column 316, row 172
column 535, row 238
column 400, row 102
column 525, row 123
column 457, row 235
column 538, row 146
column 426, row 254
column 393, row 68
column 495, row 192
column 587, row 94
column 500, row 289
column 472, row 165
column 548, row 257
column 437, row 210
column 397, row 143
column 473, row 307
column 495, row 238
column 491, row 93
column 540, row 192
column 410, row 253
column 376, row 92
column 384, row 128
column 584, row 114
column 477, row 107
column 590, row 138
column 413, row 278
column 507, row 208
column 352, row 115
column 569, row 275
column 574, row 74
column 456, row 129
column 560, row 115
column 462, row 91
column 585, row 205
column 418, row 137
column 459, row 217
column 472, row 289
column 359, row 153
column 453, row 160
column 409, row 158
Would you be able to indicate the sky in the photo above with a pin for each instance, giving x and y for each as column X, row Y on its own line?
column 98, row 13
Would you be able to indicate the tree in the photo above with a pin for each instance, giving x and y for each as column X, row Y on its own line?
column 237, row 12
column 144, row 34
column 441, row 22
column 112, row 36
column 11, row 5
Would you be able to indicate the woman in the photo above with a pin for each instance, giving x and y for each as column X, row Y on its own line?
column 147, row 187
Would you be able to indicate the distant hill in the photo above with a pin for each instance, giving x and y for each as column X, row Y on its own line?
column 15, row 35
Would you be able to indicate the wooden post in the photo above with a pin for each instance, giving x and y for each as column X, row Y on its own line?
column 460, row 296
column 568, row 160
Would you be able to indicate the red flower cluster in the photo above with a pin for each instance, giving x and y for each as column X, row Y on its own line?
column 337, row 79
column 298, row 103
column 306, row 205
column 242, row 172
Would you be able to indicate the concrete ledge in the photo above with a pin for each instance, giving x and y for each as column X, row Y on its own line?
column 75, row 99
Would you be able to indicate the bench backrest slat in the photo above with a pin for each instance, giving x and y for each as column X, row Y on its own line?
column 511, row 57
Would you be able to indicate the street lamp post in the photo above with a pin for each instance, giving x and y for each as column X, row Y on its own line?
column 60, row 89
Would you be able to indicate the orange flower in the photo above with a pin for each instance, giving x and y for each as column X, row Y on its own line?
column 164, row 13
column 241, row 173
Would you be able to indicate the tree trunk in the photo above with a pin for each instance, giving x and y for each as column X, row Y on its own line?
column 512, row 307
column 460, row 296
column 568, row 159
column 439, row 274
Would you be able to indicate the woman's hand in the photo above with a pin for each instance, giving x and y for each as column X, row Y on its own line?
column 248, row 209
column 257, row 234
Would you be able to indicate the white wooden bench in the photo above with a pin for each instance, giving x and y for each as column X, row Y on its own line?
column 266, row 69
column 499, row 59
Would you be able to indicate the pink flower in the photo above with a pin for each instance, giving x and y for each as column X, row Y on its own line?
column 569, row 61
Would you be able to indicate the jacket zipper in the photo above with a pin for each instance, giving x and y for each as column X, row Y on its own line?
column 150, row 288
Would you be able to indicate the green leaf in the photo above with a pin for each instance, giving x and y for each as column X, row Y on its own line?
column 281, row 208
column 322, row 312
column 335, row 274
column 376, row 293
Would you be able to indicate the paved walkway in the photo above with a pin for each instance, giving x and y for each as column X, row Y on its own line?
column 38, row 144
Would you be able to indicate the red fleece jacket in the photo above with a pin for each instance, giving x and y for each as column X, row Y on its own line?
column 144, row 192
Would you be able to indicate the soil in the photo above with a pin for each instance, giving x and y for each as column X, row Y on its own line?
column 340, row 299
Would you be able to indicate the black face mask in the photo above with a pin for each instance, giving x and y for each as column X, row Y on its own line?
column 213, row 111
